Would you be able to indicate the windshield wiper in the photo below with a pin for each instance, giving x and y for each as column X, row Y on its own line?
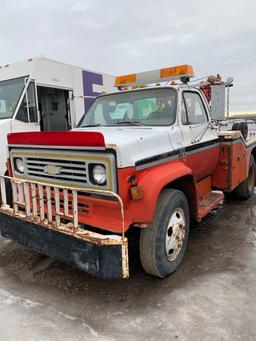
column 135, row 123
column 91, row 125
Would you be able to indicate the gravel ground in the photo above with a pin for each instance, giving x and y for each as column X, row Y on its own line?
column 212, row 296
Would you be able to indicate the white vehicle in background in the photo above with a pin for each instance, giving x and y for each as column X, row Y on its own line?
column 40, row 94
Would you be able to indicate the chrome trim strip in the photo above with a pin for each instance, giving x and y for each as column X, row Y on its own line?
column 195, row 151
column 55, row 147
column 178, row 154
column 156, row 163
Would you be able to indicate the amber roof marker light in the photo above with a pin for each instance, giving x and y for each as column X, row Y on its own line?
column 179, row 72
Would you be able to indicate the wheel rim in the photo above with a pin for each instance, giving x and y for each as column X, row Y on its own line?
column 175, row 234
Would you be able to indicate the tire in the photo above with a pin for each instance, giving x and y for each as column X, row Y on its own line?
column 246, row 188
column 162, row 247
column 242, row 127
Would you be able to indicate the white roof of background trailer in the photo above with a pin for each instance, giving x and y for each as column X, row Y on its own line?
column 19, row 69
column 43, row 71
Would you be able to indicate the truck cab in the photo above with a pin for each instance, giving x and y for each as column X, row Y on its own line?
column 157, row 121
column 146, row 157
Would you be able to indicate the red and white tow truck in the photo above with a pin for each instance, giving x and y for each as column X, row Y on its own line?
column 147, row 157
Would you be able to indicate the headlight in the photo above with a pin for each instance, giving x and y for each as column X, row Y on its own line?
column 99, row 174
column 19, row 165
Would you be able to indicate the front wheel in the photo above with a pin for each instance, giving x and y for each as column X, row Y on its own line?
column 163, row 243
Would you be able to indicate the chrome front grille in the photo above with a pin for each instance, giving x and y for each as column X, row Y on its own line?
column 66, row 169
column 63, row 167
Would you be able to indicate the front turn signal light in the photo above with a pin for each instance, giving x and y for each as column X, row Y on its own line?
column 137, row 192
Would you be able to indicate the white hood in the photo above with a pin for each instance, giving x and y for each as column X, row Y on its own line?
column 135, row 143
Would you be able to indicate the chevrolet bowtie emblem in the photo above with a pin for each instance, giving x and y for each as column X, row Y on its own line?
column 52, row 170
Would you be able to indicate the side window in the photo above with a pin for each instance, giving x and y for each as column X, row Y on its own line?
column 28, row 111
column 195, row 109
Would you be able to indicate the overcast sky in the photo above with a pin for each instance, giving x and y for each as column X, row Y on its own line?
column 127, row 36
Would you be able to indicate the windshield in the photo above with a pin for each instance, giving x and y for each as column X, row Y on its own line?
column 153, row 107
column 10, row 92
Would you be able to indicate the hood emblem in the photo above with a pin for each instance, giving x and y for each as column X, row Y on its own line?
column 52, row 170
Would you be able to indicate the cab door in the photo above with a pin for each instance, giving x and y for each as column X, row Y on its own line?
column 201, row 141
column 26, row 116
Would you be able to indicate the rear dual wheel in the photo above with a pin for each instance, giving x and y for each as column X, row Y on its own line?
column 246, row 188
column 163, row 243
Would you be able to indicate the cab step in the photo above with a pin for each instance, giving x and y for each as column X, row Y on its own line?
column 208, row 203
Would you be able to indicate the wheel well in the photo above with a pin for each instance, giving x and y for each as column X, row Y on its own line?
column 187, row 186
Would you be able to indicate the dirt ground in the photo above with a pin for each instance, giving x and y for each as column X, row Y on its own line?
column 212, row 296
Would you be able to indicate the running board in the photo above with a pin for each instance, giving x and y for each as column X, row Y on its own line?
column 208, row 203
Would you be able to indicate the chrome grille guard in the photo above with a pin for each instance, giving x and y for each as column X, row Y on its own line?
column 29, row 204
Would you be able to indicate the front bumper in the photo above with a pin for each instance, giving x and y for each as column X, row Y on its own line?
column 45, row 220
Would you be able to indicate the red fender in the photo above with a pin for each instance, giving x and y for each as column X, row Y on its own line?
column 152, row 181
